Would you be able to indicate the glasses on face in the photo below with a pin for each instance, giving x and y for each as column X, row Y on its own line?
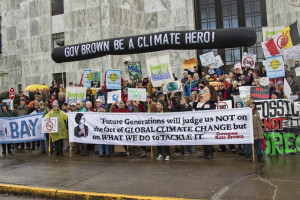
column 204, row 91
column 222, row 85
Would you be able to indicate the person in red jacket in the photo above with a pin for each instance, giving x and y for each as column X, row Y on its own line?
column 123, row 107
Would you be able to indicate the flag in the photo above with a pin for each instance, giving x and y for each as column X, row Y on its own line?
column 270, row 44
column 290, row 36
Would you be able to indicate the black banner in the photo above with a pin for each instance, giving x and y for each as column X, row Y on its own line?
column 194, row 39
column 259, row 93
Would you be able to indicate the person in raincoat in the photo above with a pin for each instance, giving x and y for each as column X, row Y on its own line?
column 58, row 138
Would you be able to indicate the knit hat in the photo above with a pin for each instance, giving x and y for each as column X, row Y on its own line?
column 55, row 103
column 279, row 83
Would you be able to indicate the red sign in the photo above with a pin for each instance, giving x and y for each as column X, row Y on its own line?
column 12, row 93
column 49, row 126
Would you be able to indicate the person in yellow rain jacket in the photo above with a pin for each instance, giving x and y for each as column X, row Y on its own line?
column 62, row 133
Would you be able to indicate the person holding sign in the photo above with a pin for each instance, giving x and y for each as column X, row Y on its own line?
column 258, row 135
column 6, row 112
column 62, row 133
column 206, row 101
column 160, row 108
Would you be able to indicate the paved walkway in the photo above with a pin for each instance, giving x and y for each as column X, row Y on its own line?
column 228, row 176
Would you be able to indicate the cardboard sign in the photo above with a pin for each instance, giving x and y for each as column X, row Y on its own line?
column 75, row 94
column 137, row 94
column 258, row 93
column 113, row 96
column 264, row 81
column 244, row 91
column 218, row 62
column 188, row 64
column 49, row 125
column 207, row 58
column 215, row 84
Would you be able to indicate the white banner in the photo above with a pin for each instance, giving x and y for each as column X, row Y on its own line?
column 185, row 128
column 75, row 94
column 25, row 128
column 114, row 96
column 137, row 94
column 159, row 69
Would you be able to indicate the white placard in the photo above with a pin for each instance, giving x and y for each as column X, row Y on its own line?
column 114, row 96
column 159, row 70
column 244, row 91
column 137, row 94
column 264, row 81
column 49, row 125
column 297, row 71
column 248, row 60
column 207, row 59
column 287, row 89
column 226, row 104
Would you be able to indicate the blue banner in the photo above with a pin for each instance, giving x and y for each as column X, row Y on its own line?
column 275, row 66
column 21, row 129
column 113, row 79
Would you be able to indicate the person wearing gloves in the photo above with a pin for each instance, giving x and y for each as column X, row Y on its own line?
column 58, row 138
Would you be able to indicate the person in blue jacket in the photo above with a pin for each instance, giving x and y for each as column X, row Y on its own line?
column 189, row 85
column 206, row 101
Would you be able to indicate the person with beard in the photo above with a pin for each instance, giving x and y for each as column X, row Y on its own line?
column 206, row 101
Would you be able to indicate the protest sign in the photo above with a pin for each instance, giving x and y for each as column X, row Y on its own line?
column 49, row 125
column 137, row 94
column 207, row 58
column 291, row 53
column 8, row 102
column 113, row 96
column 75, row 94
column 86, row 82
column 174, row 86
column 226, row 104
column 249, row 60
column 159, row 70
column 210, row 127
column 269, row 32
column 281, row 125
column 297, row 71
column 192, row 39
column 211, row 71
column 113, row 79
column 244, row 91
column 275, row 67
column 102, row 98
column 21, row 129
column 237, row 66
column 264, row 81
column 259, row 93
column 218, row 63
column 135, row 71
column 188, row 64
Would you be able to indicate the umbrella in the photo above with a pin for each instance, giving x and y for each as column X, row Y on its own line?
column 36, row 88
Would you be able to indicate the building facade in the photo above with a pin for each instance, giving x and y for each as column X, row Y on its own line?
column 32, row 28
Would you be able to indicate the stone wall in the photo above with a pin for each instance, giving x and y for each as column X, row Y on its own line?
column 27, row 28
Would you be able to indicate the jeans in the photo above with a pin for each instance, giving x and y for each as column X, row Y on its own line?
column 43, row 146
column 257, row 148
column 208, row 150
column 166, row 148
column 101, row 148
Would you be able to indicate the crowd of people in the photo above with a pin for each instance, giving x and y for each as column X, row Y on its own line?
column 197, row 94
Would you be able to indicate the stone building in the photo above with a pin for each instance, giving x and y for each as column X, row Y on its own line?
column 32, row 28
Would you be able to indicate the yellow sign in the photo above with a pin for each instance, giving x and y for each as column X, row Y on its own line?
column 113, row 77
column 89, row 76
column 274, row 64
